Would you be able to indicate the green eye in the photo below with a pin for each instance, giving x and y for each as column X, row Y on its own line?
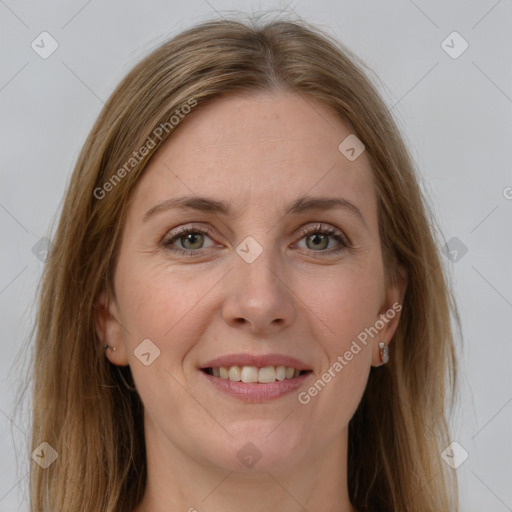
column 321, row 238
column 188, row 240
column 192, row 241
column 317, row 241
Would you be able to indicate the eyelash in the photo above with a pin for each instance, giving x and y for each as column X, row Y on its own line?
column 309, row 231
column 182, row 231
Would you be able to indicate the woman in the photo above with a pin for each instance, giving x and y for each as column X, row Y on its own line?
column 245, row 306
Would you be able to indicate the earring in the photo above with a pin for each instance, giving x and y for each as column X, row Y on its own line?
column 108, row 346
column 384, row 352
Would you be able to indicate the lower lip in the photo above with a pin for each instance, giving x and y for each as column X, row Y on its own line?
column 254, row 392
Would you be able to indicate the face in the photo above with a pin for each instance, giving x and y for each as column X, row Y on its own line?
column 251, row 251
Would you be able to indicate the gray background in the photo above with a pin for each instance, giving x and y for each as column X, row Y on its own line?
column 454, row 113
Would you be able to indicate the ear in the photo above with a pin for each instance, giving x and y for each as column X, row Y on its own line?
column 110, row 331
column 389, row 313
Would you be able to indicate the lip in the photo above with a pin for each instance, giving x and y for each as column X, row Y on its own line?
column 259, row 361
column 255, row 392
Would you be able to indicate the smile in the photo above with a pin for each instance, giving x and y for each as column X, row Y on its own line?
column 253, row 374
column 256, row 378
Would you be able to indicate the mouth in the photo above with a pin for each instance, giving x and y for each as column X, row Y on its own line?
column 256, row 378
column 253, row 374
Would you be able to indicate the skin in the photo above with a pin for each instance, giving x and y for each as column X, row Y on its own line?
column 258, row 153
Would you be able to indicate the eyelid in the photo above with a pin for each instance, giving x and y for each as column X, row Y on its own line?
column 185, row 228
column 328, row 230
column 172, row 235
column 319, row 226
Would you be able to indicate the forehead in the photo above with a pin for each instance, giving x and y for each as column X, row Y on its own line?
column 258, row 149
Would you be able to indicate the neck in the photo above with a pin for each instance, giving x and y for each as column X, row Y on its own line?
column 175, row 481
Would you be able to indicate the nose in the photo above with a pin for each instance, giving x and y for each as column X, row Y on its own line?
column 258, row 298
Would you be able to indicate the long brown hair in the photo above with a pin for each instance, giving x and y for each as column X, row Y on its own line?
column 83, row 405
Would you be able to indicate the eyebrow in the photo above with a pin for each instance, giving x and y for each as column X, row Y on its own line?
column 210, row 205
column 202, row 204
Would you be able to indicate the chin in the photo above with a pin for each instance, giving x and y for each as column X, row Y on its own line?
column 258, row 447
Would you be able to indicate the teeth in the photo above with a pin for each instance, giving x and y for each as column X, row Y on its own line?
column 281, row 372
column 249, row 374
column 235, row 373
column 266, row 375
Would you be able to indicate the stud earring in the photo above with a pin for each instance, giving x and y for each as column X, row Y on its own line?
column 384, row 352
column 108, row 346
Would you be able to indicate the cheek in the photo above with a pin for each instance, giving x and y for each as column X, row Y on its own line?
column 345, row 303
column 337, row 392
column 344, row 312
column 167, row 307
column 158, row 303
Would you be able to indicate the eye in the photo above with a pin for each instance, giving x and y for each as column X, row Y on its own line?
column 188, row 240
column 323, row 239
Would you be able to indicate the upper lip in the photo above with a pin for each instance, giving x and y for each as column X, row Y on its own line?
column 259, row 361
